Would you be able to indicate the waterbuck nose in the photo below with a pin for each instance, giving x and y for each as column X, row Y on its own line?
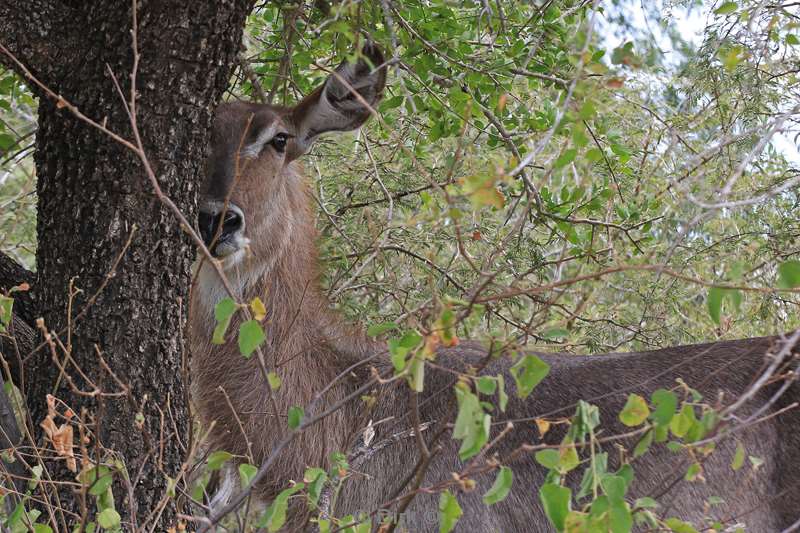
column 219, row 222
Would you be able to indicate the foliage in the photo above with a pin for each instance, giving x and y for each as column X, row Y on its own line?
column 524, row 179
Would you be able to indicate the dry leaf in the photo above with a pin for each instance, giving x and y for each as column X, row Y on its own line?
column 543, row 425
column 60, row 436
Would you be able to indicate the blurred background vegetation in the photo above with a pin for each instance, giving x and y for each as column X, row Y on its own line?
column 523, row 144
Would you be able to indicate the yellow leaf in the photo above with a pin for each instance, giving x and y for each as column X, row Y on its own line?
column 259, row 310
column 543, row 425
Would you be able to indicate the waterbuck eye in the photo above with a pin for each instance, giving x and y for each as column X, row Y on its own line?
column 279, row 142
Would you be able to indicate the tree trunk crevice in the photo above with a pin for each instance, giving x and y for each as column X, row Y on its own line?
column 103, row 237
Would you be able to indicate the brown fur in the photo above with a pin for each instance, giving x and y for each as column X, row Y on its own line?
column 308, row 346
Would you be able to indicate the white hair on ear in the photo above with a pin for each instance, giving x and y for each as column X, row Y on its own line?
column 224, row 491
column 252, row 150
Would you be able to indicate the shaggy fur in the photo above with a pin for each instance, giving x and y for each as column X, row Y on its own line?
column 309, row 346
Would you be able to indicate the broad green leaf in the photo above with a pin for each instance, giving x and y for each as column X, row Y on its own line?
column 576, row 523
column 251, row 336
column 274, row 381
column 619, row 516
column 714, row 303
column 42, row 528
column 217, row 459
column 635, row 411
column 223, row 312
column 556, row 503
column 101, row 485
column 726, row 8
column 449, row 512
column 528, row 372
column 789, row 275
column 378, row 329
column 646, row 503
column 567, row 456
column 500, row 488
column 486, row 385
column 665, row 403
column 315, row 479
column 547, row 458
column 683, row 421
column 679, row 526
column 614, row 487
column 108, row 518
column 275, row 516
column 566, row 158
column 295, row 416
column 246, row 473
column 471, row 425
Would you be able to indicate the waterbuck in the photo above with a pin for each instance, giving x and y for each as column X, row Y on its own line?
column 256, row 218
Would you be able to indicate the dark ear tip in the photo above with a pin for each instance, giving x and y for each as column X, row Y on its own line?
column 372, row 51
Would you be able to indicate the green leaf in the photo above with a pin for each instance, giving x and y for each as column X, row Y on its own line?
column 679, row 526
column 251, row 336
column 246, row 473
column 665, row 403
column 528, row 372
column 789, row 275
column 635, row 411
column 726, row 8
column 378, row 329
column 646, row 503
column 223, row 312
column 548, row 458
column 486, row 385
column 449, row 512
column 566, row 158
column 567, row 456
column 109, row 518
column 471, row 425
column 500, row 488
column 315, row 479
column 738, row 457
column 6, row 304
column 683, row 422
column 217, row 459
column 274, row 381
column 101, row 485
column 792, row 39
column 556, row 503
column 554, row 333
column 42, row 528
column 692, row 472
column 619, row 515
column 275, row 516
column 643, row 445
column 502, row 397
column 614, row 487
column 295, row 416
column 714, row 303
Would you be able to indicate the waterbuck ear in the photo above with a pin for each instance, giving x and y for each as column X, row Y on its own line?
column 344, row 102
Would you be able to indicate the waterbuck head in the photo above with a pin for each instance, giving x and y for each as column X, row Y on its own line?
column 250, row 176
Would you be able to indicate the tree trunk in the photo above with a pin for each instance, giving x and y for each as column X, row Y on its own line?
column 101, row 230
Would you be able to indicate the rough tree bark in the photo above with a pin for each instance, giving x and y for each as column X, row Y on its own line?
column 94, row 197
